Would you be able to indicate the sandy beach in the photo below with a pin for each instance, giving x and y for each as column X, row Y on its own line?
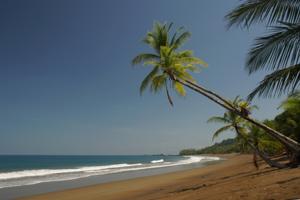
column 235, row 178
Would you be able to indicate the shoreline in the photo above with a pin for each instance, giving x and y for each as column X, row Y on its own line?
column 60, row 185
column 234, row 178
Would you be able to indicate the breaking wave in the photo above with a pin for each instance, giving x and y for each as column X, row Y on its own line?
column 29, row 177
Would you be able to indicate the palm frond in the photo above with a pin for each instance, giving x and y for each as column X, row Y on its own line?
column 278, row 82
column 218, row 119
column 158, row 36
column 170, row 26
column 185, row 53
column 150, row 39
column 148, row 79
column 240, row 103
column 187, row 57
column 158, row 82
column 236, row 100
column 221, row 130
column 271, row 11
column 174, row 37
column 144, row 57
column 181, row 73
column 181, row 39
column 276, row 50
column 191, row 68
column 179, row 89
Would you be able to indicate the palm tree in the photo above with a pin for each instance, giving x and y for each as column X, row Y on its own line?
column 171, row 69
column 231, row 119
column 279, row 51
column 234, row 122
column 166, row 61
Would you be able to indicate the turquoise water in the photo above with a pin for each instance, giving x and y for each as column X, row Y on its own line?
column 19, row 170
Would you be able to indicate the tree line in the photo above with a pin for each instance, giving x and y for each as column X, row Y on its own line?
column 286, row 122
column 278, row 51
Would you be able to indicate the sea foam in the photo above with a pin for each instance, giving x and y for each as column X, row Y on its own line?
column 29, row 177
column 157, row 161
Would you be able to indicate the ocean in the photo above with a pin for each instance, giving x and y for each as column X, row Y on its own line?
column 21, row 170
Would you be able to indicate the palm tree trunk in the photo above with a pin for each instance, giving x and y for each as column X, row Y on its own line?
column 286, row 141
column 270, row 162
column 290, row 144
column 169, row 97
column 211, row 93
column 255, row 141
column 275, row 134
column 255, row 160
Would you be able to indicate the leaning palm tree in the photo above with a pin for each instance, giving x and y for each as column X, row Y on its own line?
column 166, row 61
column 170, row 69
column 279, row 51
column 231, row 119
column 233, row 122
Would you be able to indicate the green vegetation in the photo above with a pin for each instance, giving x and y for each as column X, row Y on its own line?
column 171, row 67
column 231, row 120
column 252, row 139
column 248, row 136
column 226, row 146
column 288, row 122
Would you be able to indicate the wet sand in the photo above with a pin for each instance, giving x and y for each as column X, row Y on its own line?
column 235, row 178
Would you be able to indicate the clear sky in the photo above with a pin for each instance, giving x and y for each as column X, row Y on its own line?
column 67, row 86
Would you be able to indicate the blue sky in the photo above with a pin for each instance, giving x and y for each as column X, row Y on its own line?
column 67, row 86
